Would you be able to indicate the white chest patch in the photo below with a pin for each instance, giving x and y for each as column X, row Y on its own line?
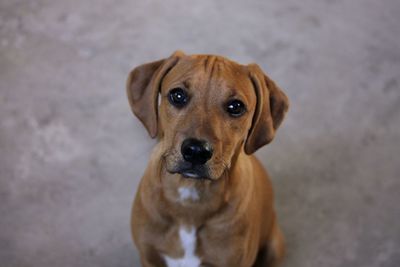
column 188, row 242
column 186, row 193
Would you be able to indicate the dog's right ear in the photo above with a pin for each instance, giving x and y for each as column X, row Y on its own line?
column 143, row 86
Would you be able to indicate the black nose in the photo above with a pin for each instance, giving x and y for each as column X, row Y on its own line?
column 196, row 151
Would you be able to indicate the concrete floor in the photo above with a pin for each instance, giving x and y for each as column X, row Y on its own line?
column 72, row 154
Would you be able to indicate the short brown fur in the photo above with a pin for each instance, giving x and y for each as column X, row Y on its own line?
column 234, row 215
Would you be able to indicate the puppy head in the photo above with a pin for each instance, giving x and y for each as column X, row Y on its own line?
column 205, row 110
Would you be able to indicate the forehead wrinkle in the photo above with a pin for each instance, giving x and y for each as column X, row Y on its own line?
column 240, row 84
column 213, row 67
column 217, row 80
column 209, row 63
column 179, row 75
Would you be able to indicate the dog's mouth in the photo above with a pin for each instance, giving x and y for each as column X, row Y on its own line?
column 192, row 171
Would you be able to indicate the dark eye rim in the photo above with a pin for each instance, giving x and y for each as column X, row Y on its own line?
column 172, row 101
column 236, row 115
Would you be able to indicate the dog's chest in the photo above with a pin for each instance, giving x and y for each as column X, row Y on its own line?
column 188, row 240
column 187, row 193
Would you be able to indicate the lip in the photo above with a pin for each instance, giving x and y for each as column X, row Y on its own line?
column 190, row 174
column 190, row 171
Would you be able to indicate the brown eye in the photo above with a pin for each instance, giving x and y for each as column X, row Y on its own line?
column 235, row 108
column 178, row 97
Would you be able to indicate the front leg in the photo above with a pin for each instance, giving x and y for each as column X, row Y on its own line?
column 272, row 253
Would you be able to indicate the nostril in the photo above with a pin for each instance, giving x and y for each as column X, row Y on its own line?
column 189, row 151
column 207, row 151
column 196, row 151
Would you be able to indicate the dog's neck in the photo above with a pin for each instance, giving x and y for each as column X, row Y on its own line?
column 192, row 201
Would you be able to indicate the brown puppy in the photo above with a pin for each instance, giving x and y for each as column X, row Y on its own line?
column 204, row 200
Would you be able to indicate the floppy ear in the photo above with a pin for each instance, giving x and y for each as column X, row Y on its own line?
column 272, row 104
column 143, row 86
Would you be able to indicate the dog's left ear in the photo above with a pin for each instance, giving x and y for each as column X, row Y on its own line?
column 143, row 86
column 272, row 104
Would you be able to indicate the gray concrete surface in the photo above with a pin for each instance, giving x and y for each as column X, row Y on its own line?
column 72, row 154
